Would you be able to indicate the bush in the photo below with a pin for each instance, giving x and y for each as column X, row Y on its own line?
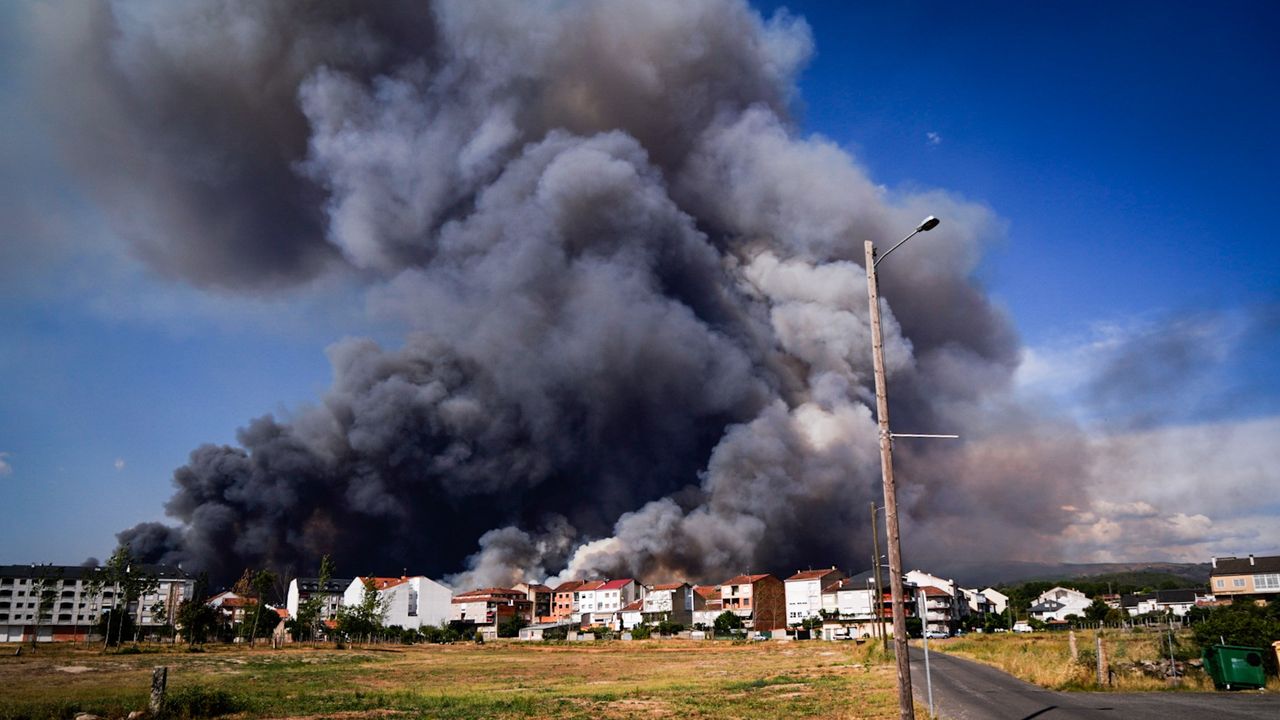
column 1240, row 624
column 641, row 632
column 200, row 702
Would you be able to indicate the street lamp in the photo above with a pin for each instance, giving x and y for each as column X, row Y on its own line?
column 905, row 705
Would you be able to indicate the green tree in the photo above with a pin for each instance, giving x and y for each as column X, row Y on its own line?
column 44, row 585
column 511, row 627
column 255, row 585
column 115, row 624
column 727, row 623
column 1240, row 624
column 308, row 621
column 1097, row 610
column 195, row 617
column 366, row 618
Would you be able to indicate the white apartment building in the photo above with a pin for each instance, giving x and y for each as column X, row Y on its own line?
column 803, row 593
column 412, row 602
column 73, row 608
column 303, row 589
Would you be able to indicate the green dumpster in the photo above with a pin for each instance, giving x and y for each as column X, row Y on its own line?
column 1234, row 667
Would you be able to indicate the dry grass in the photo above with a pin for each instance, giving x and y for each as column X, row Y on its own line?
column 1045, row 659
column 649, row 679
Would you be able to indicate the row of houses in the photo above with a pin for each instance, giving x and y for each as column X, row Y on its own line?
column 829, row 601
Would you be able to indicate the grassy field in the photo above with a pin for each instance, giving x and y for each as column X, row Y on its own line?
column 1045, row 659
column 642, row 679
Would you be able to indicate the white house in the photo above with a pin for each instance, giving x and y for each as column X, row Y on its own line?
column 803, row 593
column 1055, row 604
column 631, row 615
column 1177, row 602
column 613, row 595
column 847, row 598
column 999, row 601
column 585, row 596
column 412, row 602
column 955, row 608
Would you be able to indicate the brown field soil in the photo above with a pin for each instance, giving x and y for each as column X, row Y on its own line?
column 1044, row 659
column 642, row 679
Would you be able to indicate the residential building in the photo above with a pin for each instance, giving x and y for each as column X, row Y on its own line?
column 490, row 606
column 540, row 599
column 760, row 600
column 585, row 599
column 999, row 601
column 631, row 615
column 1057, row 603
column 712, row 606
column 1251, row 578
column 850, row 606
column 73, row 606
column 803, row 593
column 977, row 602
column 564, row 602
column 231, row 608
column 303, row 589
column 672, row 602
column 956, row 608
column 939, row 612
column 612, row 596
column 412, row 602
column 1177, row 602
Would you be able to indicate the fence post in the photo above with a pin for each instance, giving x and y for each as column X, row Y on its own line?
column 1102, row 662
column 159, row 681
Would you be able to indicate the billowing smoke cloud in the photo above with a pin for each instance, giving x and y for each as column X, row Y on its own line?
column 635, row 316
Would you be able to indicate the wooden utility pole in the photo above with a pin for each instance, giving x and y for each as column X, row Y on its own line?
column 875, row 568
column 906, row 705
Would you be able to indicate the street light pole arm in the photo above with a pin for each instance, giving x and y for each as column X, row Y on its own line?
column 878, row 258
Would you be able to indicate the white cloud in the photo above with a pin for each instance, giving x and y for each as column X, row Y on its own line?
column 1180, row 493
column 933, row 138
column 5, row 467
column 119, row 464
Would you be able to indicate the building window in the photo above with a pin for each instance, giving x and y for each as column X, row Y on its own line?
column 1237, row 582
column 1266, row 582
column 1220, row 583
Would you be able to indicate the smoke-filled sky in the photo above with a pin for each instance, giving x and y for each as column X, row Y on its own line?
column 503, row 291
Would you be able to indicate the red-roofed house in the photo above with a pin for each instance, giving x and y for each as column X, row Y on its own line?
column 564, row 601
column 712, row 606
column 758, row 599
column 631, row 615
column 612, row 596
column 411, row 602
column 585, row 597
column 490, row 606
column 804, row 593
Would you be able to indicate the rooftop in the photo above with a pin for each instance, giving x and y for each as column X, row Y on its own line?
column 1246, row 565
column 617, row 584
column 813, row 574
column 744, row 579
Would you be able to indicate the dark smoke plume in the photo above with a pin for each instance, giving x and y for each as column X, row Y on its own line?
column 636, row 327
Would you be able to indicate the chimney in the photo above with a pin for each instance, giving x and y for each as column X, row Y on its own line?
column 1214, row 561
column 1250, row 558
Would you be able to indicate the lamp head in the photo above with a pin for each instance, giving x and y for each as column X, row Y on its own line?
column 927, row 224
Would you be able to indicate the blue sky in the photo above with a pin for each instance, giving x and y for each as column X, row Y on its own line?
column 1130, row 148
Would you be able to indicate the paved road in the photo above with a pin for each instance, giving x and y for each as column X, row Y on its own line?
column 965, row 690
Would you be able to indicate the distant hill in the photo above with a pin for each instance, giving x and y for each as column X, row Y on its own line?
column 984, row 574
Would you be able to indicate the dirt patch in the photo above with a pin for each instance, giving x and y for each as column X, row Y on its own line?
column 74, row 669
